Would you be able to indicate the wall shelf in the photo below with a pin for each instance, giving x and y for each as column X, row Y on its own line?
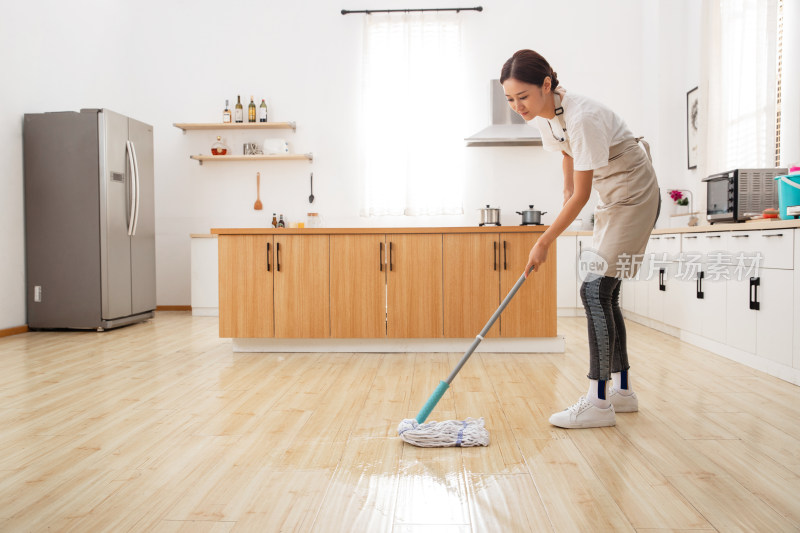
column 290, row 157
column 185, row 126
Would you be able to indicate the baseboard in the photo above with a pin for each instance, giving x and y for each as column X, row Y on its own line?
column 13, row 331
column 173, row 308
column 205, row 311
column 384, row 345
column 773, row 368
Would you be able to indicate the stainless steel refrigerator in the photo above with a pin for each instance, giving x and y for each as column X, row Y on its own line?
column 89, row 220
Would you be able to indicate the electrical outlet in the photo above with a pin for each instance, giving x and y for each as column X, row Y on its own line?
column 37, row 293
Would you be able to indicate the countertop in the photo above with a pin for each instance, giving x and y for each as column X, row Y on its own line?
column 368, row 231
column 767, row 223
column 742, row 226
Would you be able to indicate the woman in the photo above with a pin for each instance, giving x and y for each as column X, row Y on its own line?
column 599, row 152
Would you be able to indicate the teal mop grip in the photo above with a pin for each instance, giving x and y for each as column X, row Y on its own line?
column 432, row 401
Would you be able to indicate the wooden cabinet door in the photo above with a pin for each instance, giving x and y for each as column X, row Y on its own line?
column 245, row 286
column 414, row 286
column 471, row 276
column 302, row 286
column 532, row 312
column 358, row 286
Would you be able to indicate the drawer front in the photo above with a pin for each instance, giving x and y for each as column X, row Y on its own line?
column 702, row 244
column 669, row 243
column 769, row 248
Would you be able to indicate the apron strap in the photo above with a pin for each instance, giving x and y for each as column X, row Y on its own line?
column 559, row 108
column 646, row 147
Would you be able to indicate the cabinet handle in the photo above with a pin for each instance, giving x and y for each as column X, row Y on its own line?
column 391, row 265
column 381, row 257
column 505, row 256
column 773, row 235
column 278, row 256
column 754, row 303
column 700, row 276
column 668, row 238
column 690, row 237
column 494, row 254
column 661, row 285
column 713, row 236
column 739, row 236
column 269, row 267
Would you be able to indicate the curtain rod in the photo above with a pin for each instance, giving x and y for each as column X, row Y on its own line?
column 370, row 11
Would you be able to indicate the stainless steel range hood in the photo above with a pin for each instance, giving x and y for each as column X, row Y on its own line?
column 507, row 128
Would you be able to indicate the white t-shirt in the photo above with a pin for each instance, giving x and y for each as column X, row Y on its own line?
column 591, row 129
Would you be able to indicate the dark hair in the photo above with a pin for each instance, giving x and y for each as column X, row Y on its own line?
column 529, row 67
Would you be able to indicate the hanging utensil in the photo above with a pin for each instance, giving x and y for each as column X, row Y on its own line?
column 258, row 205
column 311, row 196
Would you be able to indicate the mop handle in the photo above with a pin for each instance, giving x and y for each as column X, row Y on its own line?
column 444, row 385
column 486, row 328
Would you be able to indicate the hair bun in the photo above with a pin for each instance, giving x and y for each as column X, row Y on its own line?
column 553, row 79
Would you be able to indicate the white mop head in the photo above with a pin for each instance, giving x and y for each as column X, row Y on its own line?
column 463, row 433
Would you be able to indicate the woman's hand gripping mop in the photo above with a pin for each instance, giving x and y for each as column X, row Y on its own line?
column 463, row 433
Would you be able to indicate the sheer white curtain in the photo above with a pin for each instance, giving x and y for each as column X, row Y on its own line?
column 412, row 150
column 741, row 84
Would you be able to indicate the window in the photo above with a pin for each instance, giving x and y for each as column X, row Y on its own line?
column 743, row 89
column 412, row 158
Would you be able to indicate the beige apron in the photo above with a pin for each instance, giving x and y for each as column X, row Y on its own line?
column 628, row 208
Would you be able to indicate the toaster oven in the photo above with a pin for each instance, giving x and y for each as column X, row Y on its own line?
column 736, row 195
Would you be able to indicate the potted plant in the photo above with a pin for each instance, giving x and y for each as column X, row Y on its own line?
column 678, row 197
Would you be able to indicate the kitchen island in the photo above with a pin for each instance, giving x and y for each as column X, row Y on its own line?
column 383, row 289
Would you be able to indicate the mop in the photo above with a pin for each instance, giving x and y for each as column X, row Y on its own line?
column 461, row 433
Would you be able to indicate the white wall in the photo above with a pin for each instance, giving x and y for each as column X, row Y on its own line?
column 165, row 62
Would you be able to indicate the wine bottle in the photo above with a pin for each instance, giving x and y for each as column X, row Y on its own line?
column 251, row 111
column 274, row 221
column 262, row 111
column 238, row 114
column 226, row 115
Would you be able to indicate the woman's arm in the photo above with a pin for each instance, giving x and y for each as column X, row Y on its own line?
column 582, row 190
column 568, row 168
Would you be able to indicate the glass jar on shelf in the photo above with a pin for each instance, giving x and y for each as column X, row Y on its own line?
column 219, row 147
column 313, row 220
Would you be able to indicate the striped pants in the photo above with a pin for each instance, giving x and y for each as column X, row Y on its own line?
column 607, row 340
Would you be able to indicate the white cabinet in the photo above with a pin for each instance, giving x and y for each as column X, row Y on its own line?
column 567, row 276
column 734, row 292
column 658, row 271
column 205, row 278
column 796, row 363
column 760, row 293
column 628, row 295
column 713, row 308
column 774, row 326
column 703, row 293
column 741, row 324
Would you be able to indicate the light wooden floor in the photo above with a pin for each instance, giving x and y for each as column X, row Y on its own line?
column 160, row 427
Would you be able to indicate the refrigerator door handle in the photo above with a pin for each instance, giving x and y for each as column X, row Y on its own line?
column 129, row 149
column 138, row 187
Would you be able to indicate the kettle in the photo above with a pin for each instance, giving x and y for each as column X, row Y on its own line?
column 531, row 216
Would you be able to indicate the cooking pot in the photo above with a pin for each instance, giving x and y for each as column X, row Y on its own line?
column 489, row 216
column 531, row 216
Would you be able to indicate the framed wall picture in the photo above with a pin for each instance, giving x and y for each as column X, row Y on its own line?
column 692, row 123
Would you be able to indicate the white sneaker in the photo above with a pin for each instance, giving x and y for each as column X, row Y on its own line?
column 584, row 414
column 623, row 403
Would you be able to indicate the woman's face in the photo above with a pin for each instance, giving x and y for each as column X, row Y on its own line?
column 526, row 99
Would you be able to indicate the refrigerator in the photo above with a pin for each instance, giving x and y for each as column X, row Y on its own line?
column 89, row 220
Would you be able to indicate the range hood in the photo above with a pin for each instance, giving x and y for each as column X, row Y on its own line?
column 507, row 128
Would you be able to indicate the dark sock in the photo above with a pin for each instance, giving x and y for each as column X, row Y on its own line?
column 601, row 389
column 623, row 380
